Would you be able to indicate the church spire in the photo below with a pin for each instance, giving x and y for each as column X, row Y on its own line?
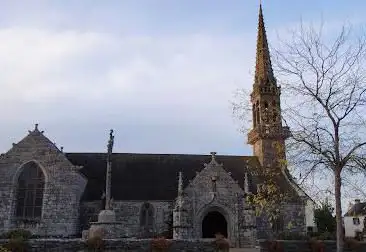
column 267, row 135
column 263, row 66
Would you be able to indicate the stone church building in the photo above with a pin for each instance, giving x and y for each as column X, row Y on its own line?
column 53, row 193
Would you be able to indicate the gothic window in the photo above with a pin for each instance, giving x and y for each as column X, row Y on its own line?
column 258, row 113
column 274, row 115
column 274, row 112
column 147, row 215
column 266, row 113
column 278, row 225
column 29, row 198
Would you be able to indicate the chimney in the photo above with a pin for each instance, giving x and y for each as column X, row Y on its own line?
column 357, row 201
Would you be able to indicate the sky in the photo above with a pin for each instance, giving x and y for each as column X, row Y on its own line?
column 161, row 73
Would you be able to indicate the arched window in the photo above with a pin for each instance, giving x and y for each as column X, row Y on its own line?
column 146, row 215
column 258, row 113
column 29, row 198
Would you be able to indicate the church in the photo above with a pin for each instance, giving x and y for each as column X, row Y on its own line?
column 58, row 194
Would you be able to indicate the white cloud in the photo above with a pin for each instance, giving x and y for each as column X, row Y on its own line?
column 93, row 80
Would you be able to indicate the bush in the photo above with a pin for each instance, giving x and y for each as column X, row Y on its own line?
column 18, row 233
column 221, row 243
column 95, row 243
column 326, row 236
column 17, row 245
column 2, row 249
column 316, row 246
column 160, row 244
column 291, row 236
column 352, row 244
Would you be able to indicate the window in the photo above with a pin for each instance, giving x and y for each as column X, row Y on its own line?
column 278, row 225
column 356, row 221
column 29, row 198
column 147, row 215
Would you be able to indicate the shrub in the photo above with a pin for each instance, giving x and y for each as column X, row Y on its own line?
column 17, row 245
column 160, row 244
column 221, row 243
column 291, row 236
column 2, row 249
column 316, row 246
column 326, row 236
column 95, row 243
column 352, row 244
column 18, row 233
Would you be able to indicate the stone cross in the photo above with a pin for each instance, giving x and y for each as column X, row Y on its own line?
column 109, row 172
column 180, row 184
column 213, row 156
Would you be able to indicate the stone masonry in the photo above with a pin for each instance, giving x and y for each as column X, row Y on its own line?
column 128, row 213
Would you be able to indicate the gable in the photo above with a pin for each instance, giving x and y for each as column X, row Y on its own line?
column 356, row 210
column 214, row 178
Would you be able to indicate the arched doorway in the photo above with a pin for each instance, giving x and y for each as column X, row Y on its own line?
column 214, row 222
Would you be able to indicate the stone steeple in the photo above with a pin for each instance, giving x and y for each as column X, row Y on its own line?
column 263, row 67
column 265, row 98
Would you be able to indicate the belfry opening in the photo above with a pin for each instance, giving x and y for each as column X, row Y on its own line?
column 214, row 223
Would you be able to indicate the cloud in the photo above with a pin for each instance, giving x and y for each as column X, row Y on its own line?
column 174, row 90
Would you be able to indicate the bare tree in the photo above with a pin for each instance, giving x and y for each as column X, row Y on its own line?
column 326, row 79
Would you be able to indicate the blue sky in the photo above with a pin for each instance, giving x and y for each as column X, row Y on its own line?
column 161, row 73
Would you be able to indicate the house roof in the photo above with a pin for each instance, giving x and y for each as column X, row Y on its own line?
column 357, row 209
column 151, row 176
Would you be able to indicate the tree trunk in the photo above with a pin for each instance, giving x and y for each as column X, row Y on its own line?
column 338, row 208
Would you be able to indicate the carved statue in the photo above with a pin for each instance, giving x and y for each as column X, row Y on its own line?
column 110, row 142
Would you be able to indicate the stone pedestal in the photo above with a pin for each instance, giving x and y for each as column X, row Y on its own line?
column 107, row 216
column 106, row 227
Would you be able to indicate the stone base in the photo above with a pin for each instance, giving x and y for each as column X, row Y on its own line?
column 106, row 230
column 107, row 216
column 107, row 227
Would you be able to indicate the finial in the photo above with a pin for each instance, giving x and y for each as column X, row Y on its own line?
column 36, row 130
column 213, row 156
column 62, row 149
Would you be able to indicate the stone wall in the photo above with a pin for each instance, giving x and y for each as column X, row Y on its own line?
column 131, row 245
column 305, row 246
column 128, row 213
column 293, row 220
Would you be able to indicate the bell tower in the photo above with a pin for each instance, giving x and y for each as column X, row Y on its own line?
column 267, row 135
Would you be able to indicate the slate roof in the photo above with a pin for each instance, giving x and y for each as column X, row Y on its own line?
column 357, row 209
column 150, row 176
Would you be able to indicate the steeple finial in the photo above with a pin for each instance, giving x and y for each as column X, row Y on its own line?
column 263, row 66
